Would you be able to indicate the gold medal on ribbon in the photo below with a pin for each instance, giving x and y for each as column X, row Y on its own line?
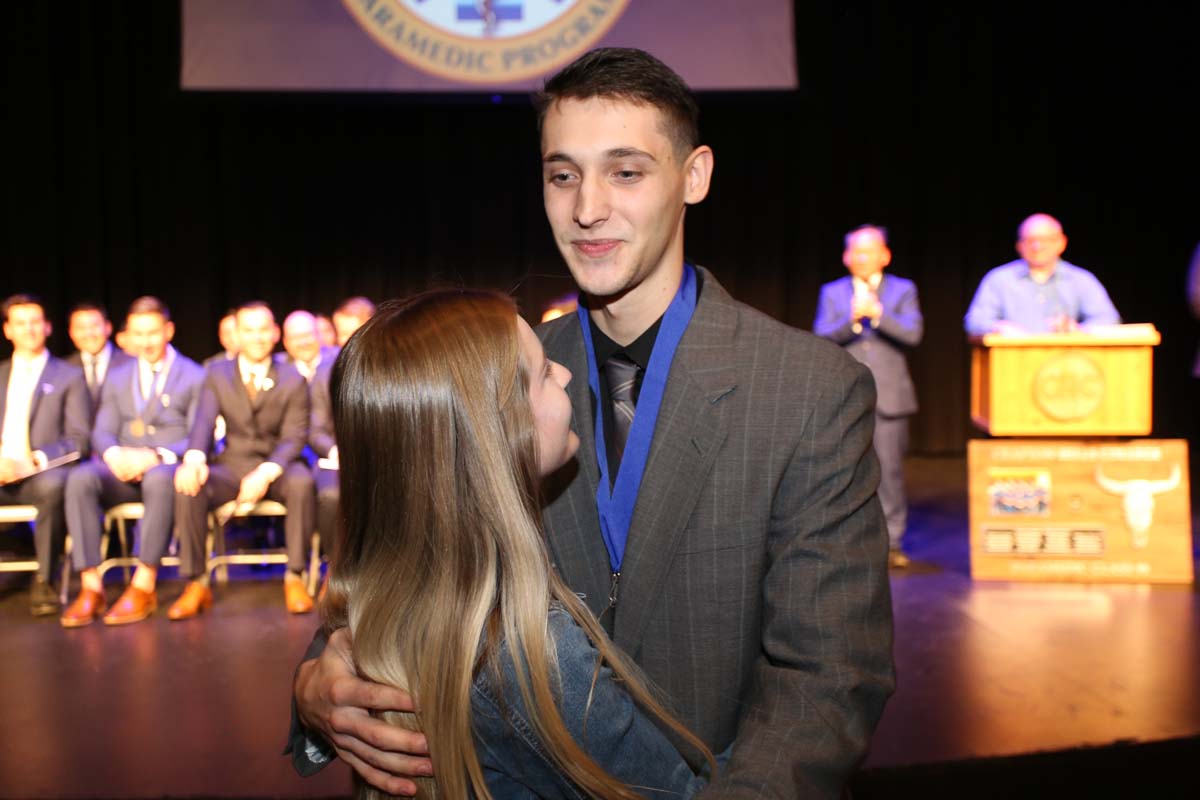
column 137, row 428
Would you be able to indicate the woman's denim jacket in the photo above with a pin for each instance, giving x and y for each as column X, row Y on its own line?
column 613, row 731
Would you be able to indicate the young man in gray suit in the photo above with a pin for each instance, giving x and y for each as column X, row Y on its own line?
column 877, row 318
column 140, row 433
column 44, row 416
column 743, row 561
column 266, row 408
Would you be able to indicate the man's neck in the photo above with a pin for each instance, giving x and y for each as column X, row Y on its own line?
column 1042, row 274
column 96, row 355
column 623, row 319
column 28, row 355
column 246, row 361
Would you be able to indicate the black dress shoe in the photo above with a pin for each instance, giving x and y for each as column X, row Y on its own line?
column 42, row 599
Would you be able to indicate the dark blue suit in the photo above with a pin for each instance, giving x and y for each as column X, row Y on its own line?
column 166, row 421
column 883, row 349
column 59, row 415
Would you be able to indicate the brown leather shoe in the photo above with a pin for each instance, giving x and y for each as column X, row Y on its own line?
column 133, row 606
column 195, row 598
column 87, row 607
column 295, row 596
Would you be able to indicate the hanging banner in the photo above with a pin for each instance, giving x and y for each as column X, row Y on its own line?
column 475, row 45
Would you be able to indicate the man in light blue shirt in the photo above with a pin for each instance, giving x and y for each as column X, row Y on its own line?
column 1039, row 292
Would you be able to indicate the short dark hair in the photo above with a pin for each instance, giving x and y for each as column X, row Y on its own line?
column 88, row 305
column 358, row 307
column 632, row 75
column 21, row 300
column 251, row 305
column 148, row 304
column 882, row 231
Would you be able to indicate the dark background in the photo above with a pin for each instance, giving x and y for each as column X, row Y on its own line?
column 948, row 125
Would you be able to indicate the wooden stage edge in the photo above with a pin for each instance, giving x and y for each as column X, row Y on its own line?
column 1004, row 688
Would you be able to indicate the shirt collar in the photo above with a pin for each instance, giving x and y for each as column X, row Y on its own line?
column 249, row 368
column 1026, row 272
column 165, row 363
column 638, row 351
column 35, row 364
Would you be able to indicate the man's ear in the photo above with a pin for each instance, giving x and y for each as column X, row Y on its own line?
column 698, row 169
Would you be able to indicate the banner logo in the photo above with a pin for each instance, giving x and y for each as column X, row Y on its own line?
column 486, row 41
column 1137, row 501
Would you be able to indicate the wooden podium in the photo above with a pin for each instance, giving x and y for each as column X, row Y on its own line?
column 1065, row 384
column 1074, row 508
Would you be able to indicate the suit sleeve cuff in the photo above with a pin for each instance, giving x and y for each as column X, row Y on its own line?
column 39, row 459
column 195, row 457
column 166, row 456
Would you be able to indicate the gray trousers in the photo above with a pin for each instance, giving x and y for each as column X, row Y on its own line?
column 294, row 488
column 45, row 491
column 891, row 443
column 92, row 488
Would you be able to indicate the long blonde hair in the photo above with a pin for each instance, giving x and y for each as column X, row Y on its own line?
column 440, row 542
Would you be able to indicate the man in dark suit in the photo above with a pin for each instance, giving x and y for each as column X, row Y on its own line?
column 877, row 318
column 302, row 346
column 743, row 561
column 266, row 409
column 44, row 414
column 140, row 433
column 91, row 331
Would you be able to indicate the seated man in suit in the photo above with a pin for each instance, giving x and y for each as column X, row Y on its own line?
column 1039, row 292
column 44, row 416
column 302, row 345
column 227, row 334
column 266, row 408
column 90, row 331
column 350, row 316
column 140, row 433
column 877, row 318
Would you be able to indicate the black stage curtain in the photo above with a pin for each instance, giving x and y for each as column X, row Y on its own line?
column 946, row 124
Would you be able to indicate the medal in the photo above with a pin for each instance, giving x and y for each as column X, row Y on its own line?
column 137, row 428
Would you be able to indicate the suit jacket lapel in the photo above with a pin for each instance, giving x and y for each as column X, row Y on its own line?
column 47, row 377
column 241, row 396
column 687, row 438
column 5, row 374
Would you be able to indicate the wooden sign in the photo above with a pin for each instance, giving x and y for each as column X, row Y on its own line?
column 1080, row 510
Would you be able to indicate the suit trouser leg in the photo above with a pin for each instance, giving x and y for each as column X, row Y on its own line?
column 191, row 517
column 891, row 443
column 45, row 491
column 158, row 497
column 294, row 488
column 91, row 488
column 327, row 504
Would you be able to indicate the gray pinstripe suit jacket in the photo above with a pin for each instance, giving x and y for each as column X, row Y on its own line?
column 754, row 589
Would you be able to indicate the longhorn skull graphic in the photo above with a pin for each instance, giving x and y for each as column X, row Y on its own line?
column 1138, row 501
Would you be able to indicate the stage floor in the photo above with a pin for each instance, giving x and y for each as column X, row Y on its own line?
column 986, row 671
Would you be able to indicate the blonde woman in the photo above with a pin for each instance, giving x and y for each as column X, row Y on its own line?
column 448, row 414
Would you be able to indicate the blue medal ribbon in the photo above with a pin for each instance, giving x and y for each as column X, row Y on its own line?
column 615, row 507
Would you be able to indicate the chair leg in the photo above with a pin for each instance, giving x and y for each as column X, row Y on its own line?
column 123, row 541
column 66, row 571
column 314, row 563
